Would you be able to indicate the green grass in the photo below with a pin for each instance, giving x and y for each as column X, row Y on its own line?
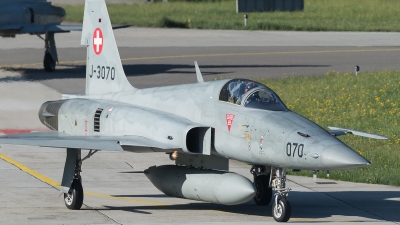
column 368, row 102
column 318, row 15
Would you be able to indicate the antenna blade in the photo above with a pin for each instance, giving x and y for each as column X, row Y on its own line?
column 198, row 73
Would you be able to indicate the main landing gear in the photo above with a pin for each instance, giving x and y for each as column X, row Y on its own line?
column 71, row 183
column 50, row 53
column 267, row 179
column 261, row 182
column 74, row 198
column 48, row 62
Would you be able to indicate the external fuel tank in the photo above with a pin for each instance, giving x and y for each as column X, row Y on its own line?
column 220, row 187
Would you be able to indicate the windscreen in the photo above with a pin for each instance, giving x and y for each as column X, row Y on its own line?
column 257, row 95
column 264, row 98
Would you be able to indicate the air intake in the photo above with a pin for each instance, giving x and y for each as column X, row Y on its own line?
column 48, row 113
column 96, row 120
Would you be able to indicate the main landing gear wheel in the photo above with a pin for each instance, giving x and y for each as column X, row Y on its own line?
column 49, row 63
column 281, row 211
column 74, row 198
column 264, row 192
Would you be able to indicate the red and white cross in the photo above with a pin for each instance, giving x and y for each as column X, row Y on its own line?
column 98, row 41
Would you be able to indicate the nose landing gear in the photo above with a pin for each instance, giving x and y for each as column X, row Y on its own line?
column 267, row 179
column 281, row 209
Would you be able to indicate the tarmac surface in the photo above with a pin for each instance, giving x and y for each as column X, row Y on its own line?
column 117, row 192
column 157, row 57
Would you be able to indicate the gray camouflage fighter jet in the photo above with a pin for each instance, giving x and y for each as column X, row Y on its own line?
column 35, row 17
column 202, row 125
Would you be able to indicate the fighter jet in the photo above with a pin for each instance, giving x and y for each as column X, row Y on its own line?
column 35, row 17
column 201, row 125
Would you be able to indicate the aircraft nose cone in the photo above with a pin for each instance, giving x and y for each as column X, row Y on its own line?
column 339, row 157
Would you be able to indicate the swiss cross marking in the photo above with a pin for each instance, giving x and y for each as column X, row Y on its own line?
column 229, row 120
column 98, row 41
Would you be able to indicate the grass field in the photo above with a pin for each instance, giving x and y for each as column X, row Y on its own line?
column 368, row 102
column 318, row 15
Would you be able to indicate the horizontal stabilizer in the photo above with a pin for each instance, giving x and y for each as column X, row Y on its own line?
column 60, row 140
column 337, row 131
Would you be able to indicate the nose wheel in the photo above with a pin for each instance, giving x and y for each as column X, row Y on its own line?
column 281, row 210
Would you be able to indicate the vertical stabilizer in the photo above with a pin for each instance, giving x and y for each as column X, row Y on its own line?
column 104, row 72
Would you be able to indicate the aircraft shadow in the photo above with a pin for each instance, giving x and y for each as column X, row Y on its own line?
column 136, row 70
column 142, row 196
column 132, row 172
column 357, row 206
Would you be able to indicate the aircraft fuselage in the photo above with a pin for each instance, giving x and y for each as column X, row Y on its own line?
column 260, row 137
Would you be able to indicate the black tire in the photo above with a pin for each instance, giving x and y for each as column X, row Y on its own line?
column 49, row 63
column 264, row 193
column 282, row 211
column 74, row 199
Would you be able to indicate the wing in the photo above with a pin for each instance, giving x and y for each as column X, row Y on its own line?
column 63, row 28
column 10, row 27
column 337, row 131
column 47, row 28
column 107, row 143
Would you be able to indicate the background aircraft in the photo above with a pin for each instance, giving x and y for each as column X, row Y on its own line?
column 201, row 125
column 35, row 17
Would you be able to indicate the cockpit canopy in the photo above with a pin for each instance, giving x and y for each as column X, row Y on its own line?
column 251, row 94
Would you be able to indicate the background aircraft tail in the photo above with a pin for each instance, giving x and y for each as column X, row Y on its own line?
column 104, row 72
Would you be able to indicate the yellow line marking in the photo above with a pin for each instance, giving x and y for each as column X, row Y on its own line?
column 58, row 185
column 213, row 55
column 30, row 171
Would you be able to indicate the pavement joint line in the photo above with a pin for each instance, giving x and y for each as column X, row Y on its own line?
column 103, row 214
column 64, row 63
column 346, row 203
column 57, row 185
